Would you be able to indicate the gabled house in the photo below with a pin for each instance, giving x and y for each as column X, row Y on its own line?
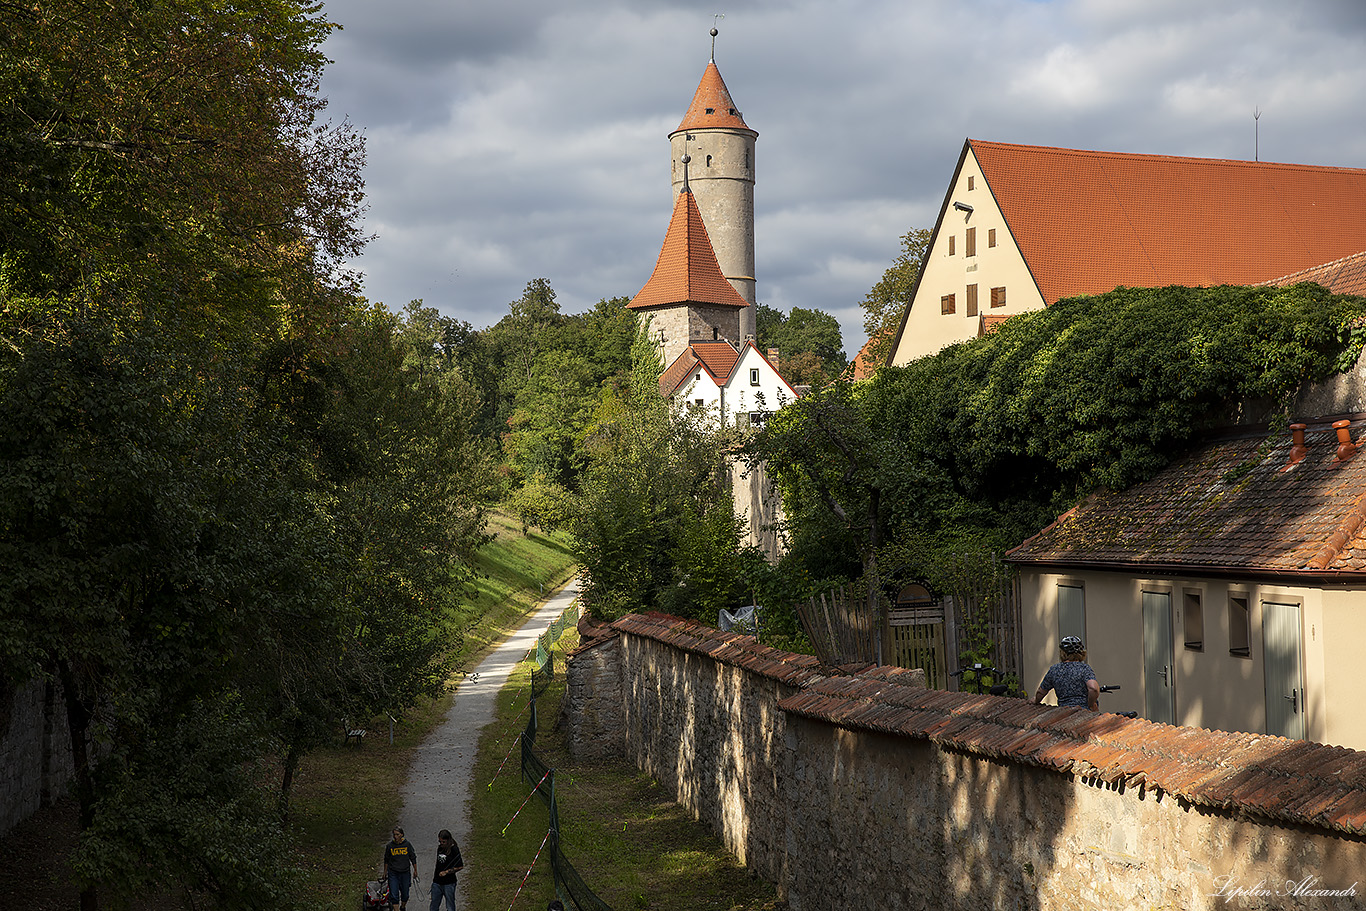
column 736, row 387
column 1227, row 592
column 1022, row 227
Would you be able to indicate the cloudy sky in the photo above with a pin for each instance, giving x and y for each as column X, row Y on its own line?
column 518, row 139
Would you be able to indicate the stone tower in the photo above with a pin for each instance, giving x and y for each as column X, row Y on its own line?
column 721, row 177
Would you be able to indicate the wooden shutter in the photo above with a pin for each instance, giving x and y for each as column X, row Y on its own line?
column 970, row 243
column 951, row 239
column 991, row 237
column 972, row 300
column 998, row 297
column 946, row 304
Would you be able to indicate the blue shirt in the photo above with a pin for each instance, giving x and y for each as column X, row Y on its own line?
column 1068, row 680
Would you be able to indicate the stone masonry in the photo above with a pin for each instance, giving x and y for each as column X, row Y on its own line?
column 858, row 788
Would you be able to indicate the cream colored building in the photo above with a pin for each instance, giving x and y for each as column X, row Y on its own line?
column 1217, row 596
column 1022, row 227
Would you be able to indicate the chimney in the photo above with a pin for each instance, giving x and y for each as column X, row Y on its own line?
column 1297, row 449
column 1346, row 448
column 773, row 358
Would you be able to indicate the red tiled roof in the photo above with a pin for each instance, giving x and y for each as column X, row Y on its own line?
column 862, row 366
column 711, row 105
column 1227, row 507
column 1293, row 780
column 1341, row 276
column 718, row 357
column 727, row 648
column 677, row 373
column 990, row 323
column 1087, row 222
column 687, row 270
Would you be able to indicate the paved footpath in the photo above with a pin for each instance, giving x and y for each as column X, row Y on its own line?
column 439, row 787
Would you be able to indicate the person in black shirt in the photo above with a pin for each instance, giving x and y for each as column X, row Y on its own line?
column 448, row 861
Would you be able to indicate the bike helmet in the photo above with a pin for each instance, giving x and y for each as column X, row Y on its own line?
column 1072, row 645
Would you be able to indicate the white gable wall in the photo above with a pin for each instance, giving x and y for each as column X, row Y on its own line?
column 754, row 386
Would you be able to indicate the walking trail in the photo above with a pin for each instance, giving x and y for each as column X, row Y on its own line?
column 440, row 785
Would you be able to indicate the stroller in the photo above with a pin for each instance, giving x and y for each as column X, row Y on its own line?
column 376, row 896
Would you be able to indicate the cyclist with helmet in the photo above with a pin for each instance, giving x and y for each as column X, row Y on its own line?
column 1071, row 678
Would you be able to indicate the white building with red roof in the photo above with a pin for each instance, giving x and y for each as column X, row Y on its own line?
column 1022, row 227
column 736, row 388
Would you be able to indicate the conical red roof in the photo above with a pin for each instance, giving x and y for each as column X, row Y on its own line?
column 687, row 270
column 712, row 105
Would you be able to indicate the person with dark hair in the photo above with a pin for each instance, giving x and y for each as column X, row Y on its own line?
column 1071, row 678
column 555, row 905
column 399, row 863
column 448, row 861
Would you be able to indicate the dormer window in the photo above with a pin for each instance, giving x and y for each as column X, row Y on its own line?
column 711, row 110
column 732, row 112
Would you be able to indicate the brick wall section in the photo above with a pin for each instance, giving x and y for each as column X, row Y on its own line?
column 35, row 754
column 858, row 788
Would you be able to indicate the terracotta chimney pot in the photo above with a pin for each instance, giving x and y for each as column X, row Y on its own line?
column 1298, row 449
column 1346, row 448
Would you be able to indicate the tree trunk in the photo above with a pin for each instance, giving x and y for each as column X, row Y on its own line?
column 78, row 719
column 291, row 765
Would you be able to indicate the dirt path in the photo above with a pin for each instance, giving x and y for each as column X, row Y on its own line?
column 439, row 785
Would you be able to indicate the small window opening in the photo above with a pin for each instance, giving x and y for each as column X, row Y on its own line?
column 970, row 181
column 971, row 301
column 1193, row 621
column 951, row 244
column 1238, row 636
column 732, row 112
column 998, row 297
column 991, row 237
column 699, row 402
column 715, row 333
column 754, row 376
column 970, row 242
column 946, row 304
column 711, row 110
column 708, row 161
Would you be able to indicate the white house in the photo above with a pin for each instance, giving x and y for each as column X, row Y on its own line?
column 734, row 387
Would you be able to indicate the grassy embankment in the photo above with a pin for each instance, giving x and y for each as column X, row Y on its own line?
column 630, row 842
column 346, row 797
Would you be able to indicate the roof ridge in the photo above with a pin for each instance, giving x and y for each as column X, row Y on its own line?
column 1346, row 531
column 1155, row 156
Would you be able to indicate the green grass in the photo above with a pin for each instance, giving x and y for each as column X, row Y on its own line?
column 629, row 841
column 346, row 797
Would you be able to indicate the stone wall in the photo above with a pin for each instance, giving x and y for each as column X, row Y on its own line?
column 593, row 716
column 35, row 752
column 859, row 788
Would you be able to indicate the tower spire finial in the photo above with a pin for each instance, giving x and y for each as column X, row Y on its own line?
column 715, row 19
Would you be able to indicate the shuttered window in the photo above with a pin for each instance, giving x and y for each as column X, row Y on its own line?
column 951, row 239
column 991, row 237
column 970, row 243
column 946, row 304
column 972, row 300
column 998, row 297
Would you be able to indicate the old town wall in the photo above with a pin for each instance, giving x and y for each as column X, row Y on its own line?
column 859, row 788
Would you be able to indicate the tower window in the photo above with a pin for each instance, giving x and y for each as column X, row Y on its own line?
column 711, row 110
column 732, row 112
column 708, row 161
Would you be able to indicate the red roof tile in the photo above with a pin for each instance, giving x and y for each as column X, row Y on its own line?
column 1341, row 276
column 727, row 648
column 712, row 106
column 1228, row 506
column 687, row 270
column 1087, row 222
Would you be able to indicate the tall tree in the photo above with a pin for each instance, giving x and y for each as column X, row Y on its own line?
column 887, row 300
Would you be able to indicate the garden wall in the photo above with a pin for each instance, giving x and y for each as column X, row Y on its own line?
column 859, row 788
column 35, row 752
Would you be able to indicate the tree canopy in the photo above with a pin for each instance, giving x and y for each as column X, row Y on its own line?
column 887, row 300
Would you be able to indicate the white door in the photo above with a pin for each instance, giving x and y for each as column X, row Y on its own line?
column 1159, row 702
column 1284, row 674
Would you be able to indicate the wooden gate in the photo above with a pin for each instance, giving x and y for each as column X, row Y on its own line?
column 916, row 625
